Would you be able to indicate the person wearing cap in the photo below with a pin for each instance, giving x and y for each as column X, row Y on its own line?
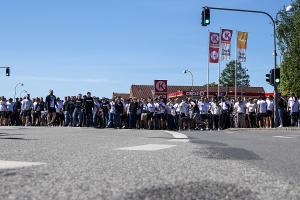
column 50, row 107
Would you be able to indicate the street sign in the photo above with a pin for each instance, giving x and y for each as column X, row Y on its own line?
column 161, row 87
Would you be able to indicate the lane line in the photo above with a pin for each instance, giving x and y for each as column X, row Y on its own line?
column 179, row 140
column 285, row 137
column 17, row 164
column 147, row 147
column 177, row 134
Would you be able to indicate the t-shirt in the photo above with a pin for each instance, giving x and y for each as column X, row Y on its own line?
column 112, row 107
column 251, row 107
column 240, row 107
column 10, row 106
column 59, row 106
column 203, row 107
column 151, row 107
column 3, row 106
column 262, row 105
column 293, row 105
column 270, row 105
column 184, row 108
column 215, row 109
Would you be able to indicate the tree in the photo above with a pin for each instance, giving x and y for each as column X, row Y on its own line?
column 213, row 84
column 228, row 75
column 288, row 32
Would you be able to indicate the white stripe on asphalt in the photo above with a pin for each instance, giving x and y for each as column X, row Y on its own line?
column 285, row 137
column 17, row 164
column 147, row 147
column 177, row 134
column 179, row 140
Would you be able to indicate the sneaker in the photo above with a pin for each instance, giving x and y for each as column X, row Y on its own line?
column 280, row 126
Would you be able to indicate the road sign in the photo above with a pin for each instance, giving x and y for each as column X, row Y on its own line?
column 161, row 87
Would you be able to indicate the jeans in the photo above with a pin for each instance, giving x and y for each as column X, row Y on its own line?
column 111, row 120
column 67, row 118
column 89, row 118
column 117, row 120
column 132, row 120
column 280, row 113
column 77, row 117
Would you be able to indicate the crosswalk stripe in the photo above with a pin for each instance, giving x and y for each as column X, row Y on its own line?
column 17, row 164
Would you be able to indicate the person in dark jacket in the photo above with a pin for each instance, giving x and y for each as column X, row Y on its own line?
column 50, row 107
column 88, row 105
column 119, row 110
column 77, row 114
column 133, row 107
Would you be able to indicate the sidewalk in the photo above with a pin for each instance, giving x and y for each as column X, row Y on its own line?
column 265, row 129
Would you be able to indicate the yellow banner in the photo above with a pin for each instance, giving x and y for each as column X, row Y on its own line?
column 242, row 40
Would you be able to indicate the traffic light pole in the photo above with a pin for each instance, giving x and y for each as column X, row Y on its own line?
column 275, row 52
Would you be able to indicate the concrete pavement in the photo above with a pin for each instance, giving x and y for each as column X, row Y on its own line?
column 84, row 163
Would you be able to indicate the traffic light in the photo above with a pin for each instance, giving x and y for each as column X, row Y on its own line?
column 270, row 77
column 7, row 71
column 277, row 75
column 205, row 16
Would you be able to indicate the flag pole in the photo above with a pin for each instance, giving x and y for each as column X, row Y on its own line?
column 235, row 67
column 207, row 86
column 219, row 62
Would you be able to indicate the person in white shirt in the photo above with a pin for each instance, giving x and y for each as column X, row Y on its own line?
column 10, row 109
column 293, row 108
column 251, row 109
column 262, row 111
column 59, row 111
column 26, row 110
column 3, row 111
column 150, row 114
column 240, row 109
column 270, row 111
column 184, row 114
column 216, row 114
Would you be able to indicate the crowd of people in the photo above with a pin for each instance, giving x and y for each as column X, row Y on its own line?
column 152, row 113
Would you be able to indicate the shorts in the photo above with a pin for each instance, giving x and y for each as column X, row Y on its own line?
column 261, row 116
column 150, row 115
column 51, row 110
column 144, row 116
column 269, row 113
column 3, row 114
column 26, row 113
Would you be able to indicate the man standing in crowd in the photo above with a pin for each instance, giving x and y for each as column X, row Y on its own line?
column 26, row 110
column 133, row 106
column 51, row 104
column 240, row 110
column 293, row 108
column 16, row 120
column 88, row 106
column 3, row 111
column 270, row 111
column 77, row 114
column 119, row 110
column 262, row 112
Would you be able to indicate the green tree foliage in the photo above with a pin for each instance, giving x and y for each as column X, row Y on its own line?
column 213, row 84
column 228, row 75
column 288, row 33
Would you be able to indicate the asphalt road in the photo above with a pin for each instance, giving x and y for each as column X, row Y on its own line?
column 82, row 163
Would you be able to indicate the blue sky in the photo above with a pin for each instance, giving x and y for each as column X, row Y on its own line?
column 104, row 46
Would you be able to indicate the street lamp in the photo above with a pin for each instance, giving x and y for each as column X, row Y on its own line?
column 21, row 84
column 22, row 92
column 188, row 71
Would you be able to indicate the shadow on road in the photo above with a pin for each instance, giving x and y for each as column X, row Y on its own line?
column 206, row 190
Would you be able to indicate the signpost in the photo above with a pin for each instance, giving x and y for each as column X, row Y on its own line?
column 160, row 87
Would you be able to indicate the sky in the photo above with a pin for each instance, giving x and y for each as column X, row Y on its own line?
column 105, row 46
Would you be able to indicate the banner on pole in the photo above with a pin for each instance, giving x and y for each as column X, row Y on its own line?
column 214, row 47
column 214, row 39
column 213, row 55
column 241, row 46
column 226, row 36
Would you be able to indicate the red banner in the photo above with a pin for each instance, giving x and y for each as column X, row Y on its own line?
column 213, row 55
column 214, row 39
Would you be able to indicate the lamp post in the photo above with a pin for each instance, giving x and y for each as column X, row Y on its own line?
column 188, row 71
column 22, row 92
column 21, row 84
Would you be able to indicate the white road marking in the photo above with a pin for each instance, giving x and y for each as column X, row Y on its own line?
column 293, row 135
column 179, row 140
column 17, row 164
column 147, row 147
column 285, row 137
column 177, row 134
